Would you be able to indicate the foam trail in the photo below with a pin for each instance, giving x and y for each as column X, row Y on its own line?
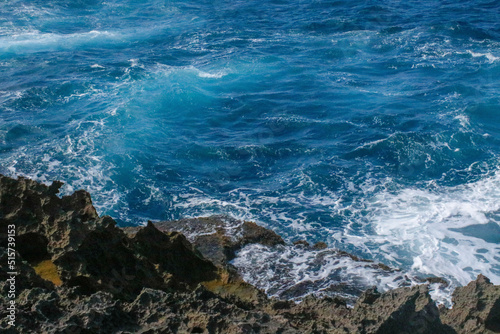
column 491, row 58
column 36, row 41
column 208, row 75
column 39, row 42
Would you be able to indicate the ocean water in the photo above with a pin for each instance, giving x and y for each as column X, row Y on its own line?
column 371, row 125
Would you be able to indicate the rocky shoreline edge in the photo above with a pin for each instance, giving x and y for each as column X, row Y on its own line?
column 76, row 272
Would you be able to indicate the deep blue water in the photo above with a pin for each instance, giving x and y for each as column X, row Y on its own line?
column 372, row 125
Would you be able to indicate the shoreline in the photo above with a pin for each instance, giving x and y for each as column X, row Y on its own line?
column 77, row 272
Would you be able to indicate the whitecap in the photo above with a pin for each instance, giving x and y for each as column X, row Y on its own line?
column 36, row 41
column 491, row 58
column 209, row 75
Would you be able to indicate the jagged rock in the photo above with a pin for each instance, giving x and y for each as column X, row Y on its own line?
column 80, row 273
column 218, row 238
column 301, row 243
column 91, row 252
column 173, row 254
column 67, row 311
column 476, row 308
column 199, row 311
column 219, row 247
column 44, row 222
column 106, row 260
column 314, row 315
column 320, row 246
column 403, row 310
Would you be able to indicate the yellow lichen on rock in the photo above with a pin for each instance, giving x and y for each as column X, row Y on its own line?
column 229, row 286
column 48, row 271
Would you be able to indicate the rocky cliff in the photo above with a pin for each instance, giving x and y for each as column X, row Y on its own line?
column 80, row 273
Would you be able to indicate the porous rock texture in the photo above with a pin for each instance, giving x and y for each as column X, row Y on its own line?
column 80, row 273
column 476, row 308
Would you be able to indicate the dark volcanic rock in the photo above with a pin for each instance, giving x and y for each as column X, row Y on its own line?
column 218, row 238
column 313, row 315
column 44, row 222
column 253, row 233
column 173, row 254
column 320, row 245
column 80, row 273
column 301, row 243
column 91, row 252
column 199, row 311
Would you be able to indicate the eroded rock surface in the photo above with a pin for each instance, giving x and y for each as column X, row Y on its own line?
column 91, row 252
column 476, row 308
column 218, row 238
column 80, row 273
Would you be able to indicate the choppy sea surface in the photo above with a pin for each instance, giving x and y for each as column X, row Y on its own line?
column 371, row 125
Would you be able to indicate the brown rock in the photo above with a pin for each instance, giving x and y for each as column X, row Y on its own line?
column 149, row 281
column 437, row 280
column 403, row 310
column 106, row 260
column 253, row 233
column 301, row 243
column 320, row 245
column 90, row 252
column 476, row 308
column 173, row 254
column 218, row 238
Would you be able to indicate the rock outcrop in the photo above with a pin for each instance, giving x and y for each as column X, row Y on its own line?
column 91, row 252
column 218, row 238
column 476, row 308
column 80, row 273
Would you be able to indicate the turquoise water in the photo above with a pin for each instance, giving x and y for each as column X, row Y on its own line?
column 371, row 125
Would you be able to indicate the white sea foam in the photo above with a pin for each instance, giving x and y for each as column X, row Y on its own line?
column 31, row 41
column 36, row 41
column 217, row 75
column 293, row 272
column 424, row 224
column 372, row 143
column 166, row 70
column 202, row 205
column 33, row 11
column 209, row 75
column 437, row 231
column 74, row 159
column 491, row 58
